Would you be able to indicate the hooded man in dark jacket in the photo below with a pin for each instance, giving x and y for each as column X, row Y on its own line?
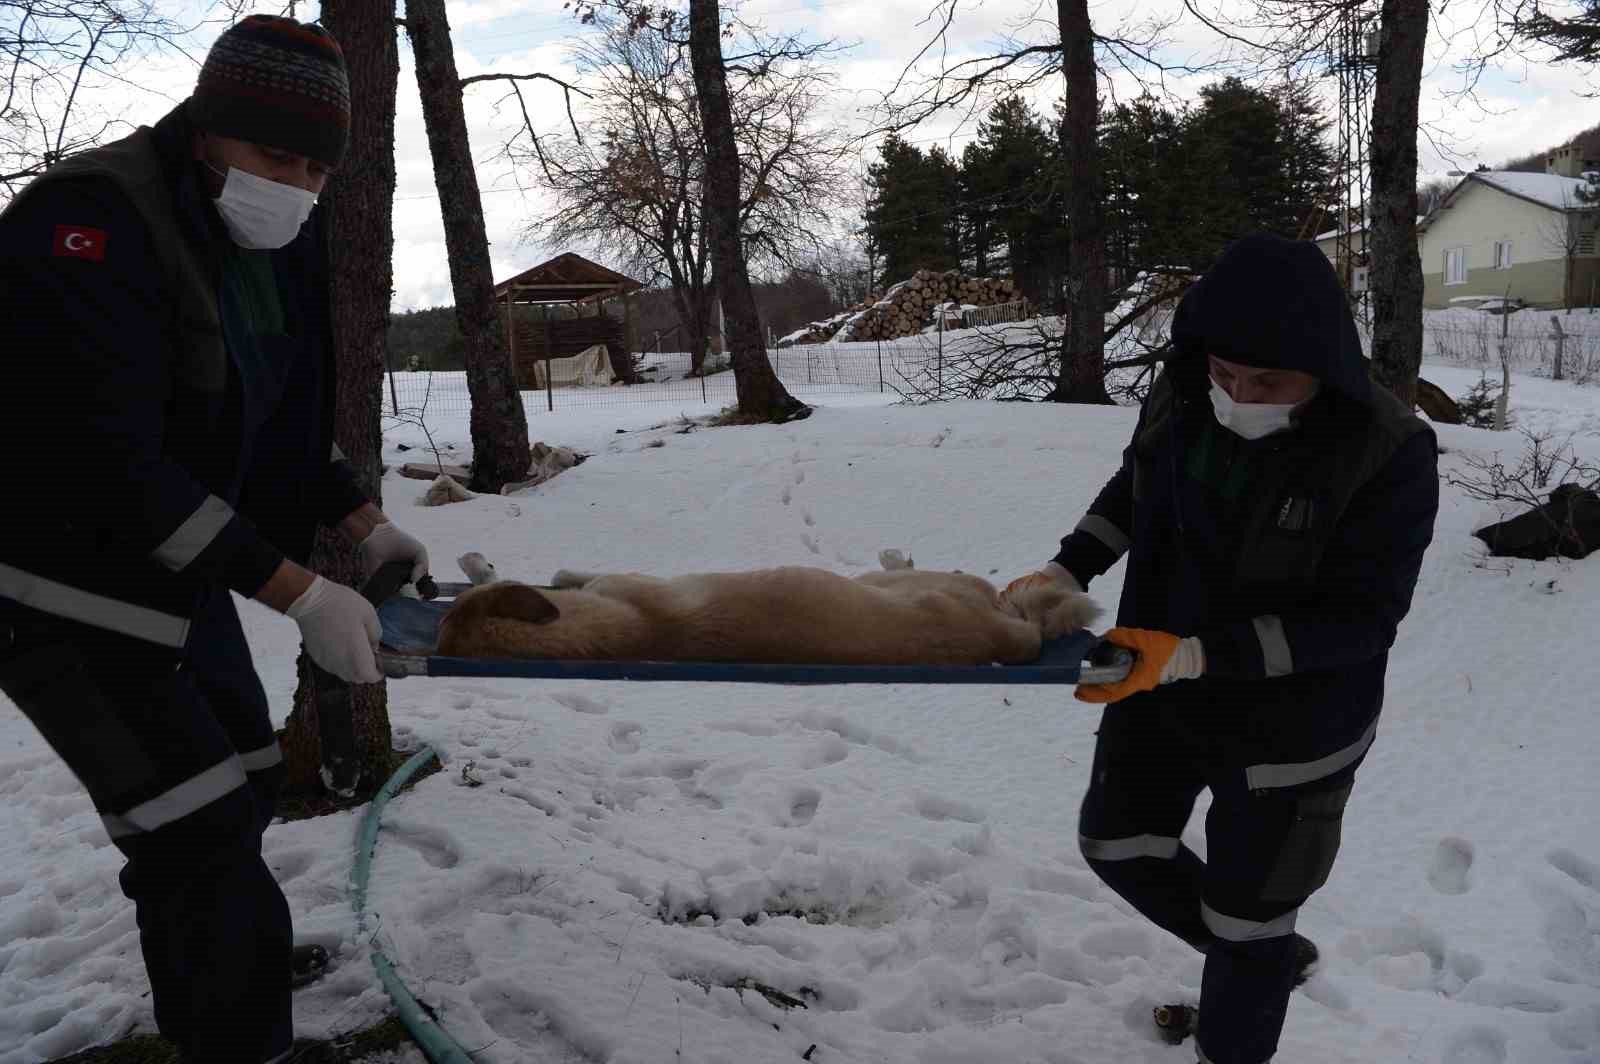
column 168, row 302
column 1274, row 506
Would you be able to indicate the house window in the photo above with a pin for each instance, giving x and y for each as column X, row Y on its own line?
column 1502, row 254
column 1455, row 266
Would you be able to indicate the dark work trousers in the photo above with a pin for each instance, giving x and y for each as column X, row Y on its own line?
column 182, row 764
column 1272, row 832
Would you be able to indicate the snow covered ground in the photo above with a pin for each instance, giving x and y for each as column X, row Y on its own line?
column 607, row 872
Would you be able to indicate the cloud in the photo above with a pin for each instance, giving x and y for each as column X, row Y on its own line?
column 1517, row 109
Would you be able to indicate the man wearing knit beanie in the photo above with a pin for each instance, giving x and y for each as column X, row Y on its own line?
column 170, row 295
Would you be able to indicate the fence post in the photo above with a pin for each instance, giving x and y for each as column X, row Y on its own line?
column 1560, row 338
column 940, row 378
column 880, row 364
column 549, row 349
column 703, row 376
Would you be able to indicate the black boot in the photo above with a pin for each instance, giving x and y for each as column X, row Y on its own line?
column 1305, row 958
column 306, row 964
column 1174, row 1023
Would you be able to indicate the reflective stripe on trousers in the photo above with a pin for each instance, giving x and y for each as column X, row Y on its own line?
column 99, row 611
column 197, row 791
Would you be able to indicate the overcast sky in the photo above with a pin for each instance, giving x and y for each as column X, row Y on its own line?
column 1518, row 108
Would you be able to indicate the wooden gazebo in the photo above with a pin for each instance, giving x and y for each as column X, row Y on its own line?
column 573, row 281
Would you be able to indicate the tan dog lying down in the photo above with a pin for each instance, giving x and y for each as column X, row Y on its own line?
column 790, row 615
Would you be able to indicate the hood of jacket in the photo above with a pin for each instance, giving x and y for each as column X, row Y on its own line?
column 1272, row 303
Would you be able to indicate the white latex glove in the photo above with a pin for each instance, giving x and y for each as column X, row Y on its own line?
column 340, row 630
column 385, row 544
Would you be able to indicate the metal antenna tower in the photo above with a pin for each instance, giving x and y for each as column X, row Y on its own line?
column 1355, row 63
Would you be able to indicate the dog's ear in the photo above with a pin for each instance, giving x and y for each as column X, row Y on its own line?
column 518, row 602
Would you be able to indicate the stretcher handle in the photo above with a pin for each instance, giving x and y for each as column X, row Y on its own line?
column 341, row 763
column 390, row 578
column 1106, row 662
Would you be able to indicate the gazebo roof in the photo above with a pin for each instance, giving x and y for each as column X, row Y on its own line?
column 567, row 278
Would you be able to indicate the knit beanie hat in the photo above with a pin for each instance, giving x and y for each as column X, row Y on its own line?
column 277, row 82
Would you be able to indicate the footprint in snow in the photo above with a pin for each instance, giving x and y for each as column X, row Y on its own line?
column 1584, row 872
column 289, row 865
column 434, row 846
column 1570, row 916
column 802, row 805
column 624, row 737
column 1412, row 957
column 805, row 515
column 579, row 703
column 1475, row 1045
column 933, row 807
column 810, row 543
column 1500, row 995
column 1578, row 1030
column 1452, row 862
column 787, row 495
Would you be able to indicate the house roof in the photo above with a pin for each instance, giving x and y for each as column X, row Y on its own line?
column 1547, row 190
column 567, row 278
column 1331, row 233
column 1550, row 190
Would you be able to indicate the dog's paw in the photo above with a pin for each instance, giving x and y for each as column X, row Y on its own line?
column 1056, row 610
column 893, row 560
column 568, row 578
column 479, row 570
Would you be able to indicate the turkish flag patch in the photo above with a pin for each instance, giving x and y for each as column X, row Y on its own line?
column 80, row 242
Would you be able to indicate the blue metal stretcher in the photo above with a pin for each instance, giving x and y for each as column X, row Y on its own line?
column 411, row 636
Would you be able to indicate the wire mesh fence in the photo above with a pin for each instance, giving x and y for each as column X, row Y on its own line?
column 1525, row 349
column 810, row 370
column 986, row 361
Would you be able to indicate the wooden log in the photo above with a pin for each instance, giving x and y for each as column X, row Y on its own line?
column 418, row 471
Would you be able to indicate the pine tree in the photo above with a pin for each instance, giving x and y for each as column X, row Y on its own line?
column 1022, row 182
column 912, row 214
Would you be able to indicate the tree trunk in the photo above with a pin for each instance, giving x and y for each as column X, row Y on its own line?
column 500, row 452
column 1396, row 276
column 358, row 211
column 1083, row 371
column 761, row 395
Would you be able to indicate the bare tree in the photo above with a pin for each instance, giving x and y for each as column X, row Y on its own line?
column 1396, row 263
column 1077, row 51
column 1573, row 35
column 1297, row 37
column 762, row 397
column 54, row 54
column 1083, row 372
column 358, row 210
column 1570, row 230
column 636, row 188
column 499, row 425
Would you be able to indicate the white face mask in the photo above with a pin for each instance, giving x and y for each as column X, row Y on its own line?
column 261, row 214
column 1253, row 421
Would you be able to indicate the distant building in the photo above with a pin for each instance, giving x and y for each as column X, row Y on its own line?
column 1529, row 234
column 1500, row 229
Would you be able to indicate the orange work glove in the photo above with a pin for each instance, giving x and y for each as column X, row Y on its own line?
column 1152, row 652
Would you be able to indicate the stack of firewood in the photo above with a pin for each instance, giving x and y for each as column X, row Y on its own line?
column 907, row 308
